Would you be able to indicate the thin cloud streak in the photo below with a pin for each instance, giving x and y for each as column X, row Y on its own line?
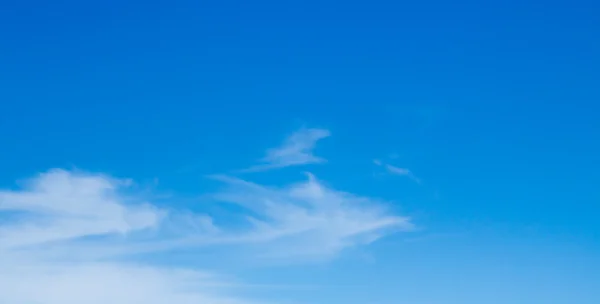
column 308, row 219
column 296, row 150
column 397, row 170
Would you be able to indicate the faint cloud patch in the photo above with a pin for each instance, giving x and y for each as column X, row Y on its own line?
column 296, row 150
column 397, row 170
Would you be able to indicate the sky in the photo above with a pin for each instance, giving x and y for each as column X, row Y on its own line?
column 299, row 152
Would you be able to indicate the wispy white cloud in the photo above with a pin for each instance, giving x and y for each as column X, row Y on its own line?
column 296, row 150
column 34, row 280
column 64, row 237
column 308, row 219
column 61, row 209
column 397, row 170
column 60, row 205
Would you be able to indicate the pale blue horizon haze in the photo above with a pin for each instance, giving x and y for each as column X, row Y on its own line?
column 313, row 152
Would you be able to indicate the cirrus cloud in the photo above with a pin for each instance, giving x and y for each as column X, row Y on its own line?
column 69, row 237
column 296, row 150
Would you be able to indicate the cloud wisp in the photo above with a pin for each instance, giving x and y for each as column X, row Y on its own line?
column 72, row 237
column 307, row 219
column 397, row 170
column 296, row 150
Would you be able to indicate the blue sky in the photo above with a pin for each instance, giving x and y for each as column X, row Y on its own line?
column 310, row 152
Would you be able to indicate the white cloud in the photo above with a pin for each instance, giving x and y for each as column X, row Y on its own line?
column 60, row 205
column 62, row 210
column 308, row 219
column 397, row 170
column 296, row 150
column 64, row 237
column 42, row 282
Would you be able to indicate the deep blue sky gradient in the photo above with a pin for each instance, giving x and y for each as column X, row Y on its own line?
column 495, row 105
